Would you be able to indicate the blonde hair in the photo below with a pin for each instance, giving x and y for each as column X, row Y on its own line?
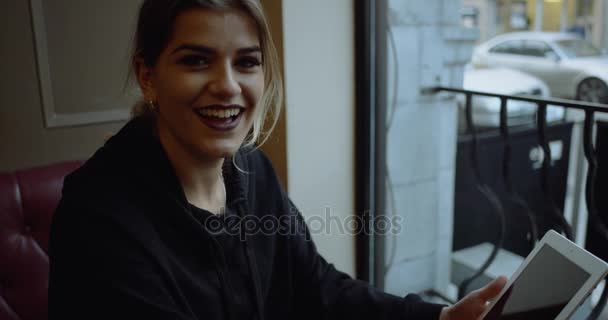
column 154, row 27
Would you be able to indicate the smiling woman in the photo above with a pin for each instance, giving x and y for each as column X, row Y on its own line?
column 179, row 215
column 204, row 89
column 210, row 79
column 198, row 55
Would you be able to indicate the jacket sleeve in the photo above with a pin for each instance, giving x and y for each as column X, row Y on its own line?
column 324, row 292
column 98, row 272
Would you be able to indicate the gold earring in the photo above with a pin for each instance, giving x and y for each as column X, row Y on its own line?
column 152, row 104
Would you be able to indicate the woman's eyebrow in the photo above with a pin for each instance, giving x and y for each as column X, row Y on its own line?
column 194, row 47
column 248, row 50
column 208, row 50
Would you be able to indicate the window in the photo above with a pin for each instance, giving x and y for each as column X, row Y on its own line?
column 540, row 49
column 574, row 48
column 530, row 48
column 469, row 16
column 508, row 47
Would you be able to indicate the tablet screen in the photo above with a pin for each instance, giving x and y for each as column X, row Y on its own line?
column 542, row 290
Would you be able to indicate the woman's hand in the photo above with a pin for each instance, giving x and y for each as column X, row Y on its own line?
column 474, row 304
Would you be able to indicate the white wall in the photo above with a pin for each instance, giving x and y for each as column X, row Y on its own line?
column 432, row 49
column 318, row 40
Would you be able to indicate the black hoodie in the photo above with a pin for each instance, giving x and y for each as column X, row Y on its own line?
column 126, row 244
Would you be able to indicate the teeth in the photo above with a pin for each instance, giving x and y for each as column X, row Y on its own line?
column 223, row 113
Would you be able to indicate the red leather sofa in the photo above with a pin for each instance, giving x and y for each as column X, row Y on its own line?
column 27, row 201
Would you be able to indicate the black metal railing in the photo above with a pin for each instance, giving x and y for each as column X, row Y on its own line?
column 551, row 208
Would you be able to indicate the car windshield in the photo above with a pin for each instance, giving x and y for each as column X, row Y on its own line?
column 575, row 48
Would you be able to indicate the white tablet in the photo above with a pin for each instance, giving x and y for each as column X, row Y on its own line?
column 556, row 277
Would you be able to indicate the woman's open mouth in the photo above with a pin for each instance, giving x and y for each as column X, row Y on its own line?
column 221, row 118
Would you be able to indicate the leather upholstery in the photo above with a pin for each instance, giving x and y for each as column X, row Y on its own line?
column 27, row 201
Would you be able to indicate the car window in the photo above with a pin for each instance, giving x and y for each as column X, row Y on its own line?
column 508, row 47
column 534, row 48
column 574, row 48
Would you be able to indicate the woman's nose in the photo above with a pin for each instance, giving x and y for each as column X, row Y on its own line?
column 224, row 84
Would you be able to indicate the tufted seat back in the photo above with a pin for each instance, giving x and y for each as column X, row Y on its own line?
column 27, row 201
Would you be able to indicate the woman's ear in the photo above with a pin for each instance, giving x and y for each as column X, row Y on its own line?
column 144, row 76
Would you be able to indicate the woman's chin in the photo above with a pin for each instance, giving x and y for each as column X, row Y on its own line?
column 220, row 150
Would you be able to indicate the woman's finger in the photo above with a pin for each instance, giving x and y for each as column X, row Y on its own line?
column 492, row 289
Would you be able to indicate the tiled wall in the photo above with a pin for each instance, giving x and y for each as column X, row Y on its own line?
column 421, row 143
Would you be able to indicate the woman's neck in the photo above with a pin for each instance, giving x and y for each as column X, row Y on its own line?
column 200, row 177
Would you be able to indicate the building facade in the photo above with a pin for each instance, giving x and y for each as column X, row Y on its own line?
column 585, row 17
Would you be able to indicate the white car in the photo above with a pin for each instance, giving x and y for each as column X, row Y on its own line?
column 571, row 67
column 486, row 110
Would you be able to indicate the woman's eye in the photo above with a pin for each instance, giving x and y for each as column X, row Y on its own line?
column 194, row 61
column 249, row 62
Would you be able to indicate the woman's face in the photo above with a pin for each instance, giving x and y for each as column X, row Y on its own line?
column 207, row 83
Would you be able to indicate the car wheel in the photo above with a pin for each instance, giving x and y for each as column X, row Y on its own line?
column 593, row 90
